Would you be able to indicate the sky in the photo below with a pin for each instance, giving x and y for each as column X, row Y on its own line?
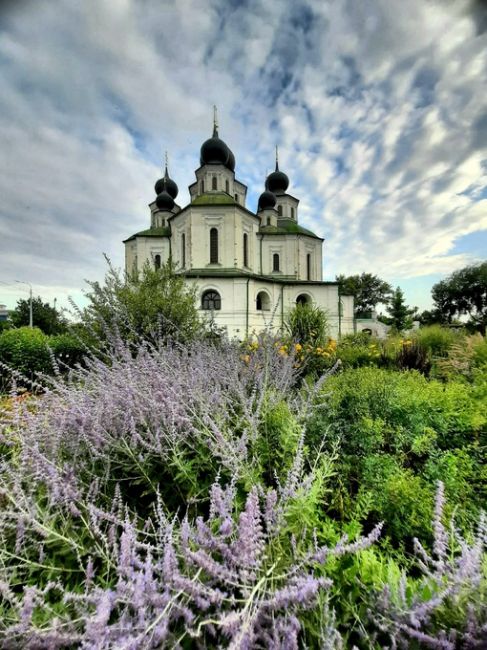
column 379, row 109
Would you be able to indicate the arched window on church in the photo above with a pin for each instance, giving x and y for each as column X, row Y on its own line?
column 211, row 300
column 245, row 249
column 227, row 187
column 213, row 183
column 183, row 250
column 308, row 266
column 157, row 261
column 263, row 302
column 279, row 210
column 236, row 198
column 303, row 299
column 292, row 213
column 275, row 262
column 202, row 186
column 268, row 221
column 213, row 246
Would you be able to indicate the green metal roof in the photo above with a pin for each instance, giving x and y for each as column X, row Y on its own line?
column 287, row 227
column 151, row 232
column 215, row 198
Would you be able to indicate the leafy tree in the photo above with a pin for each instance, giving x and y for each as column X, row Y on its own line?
column 45, row 317
column 400, row 315
column 464, row 292
column 431, row 317
column 157, row 303
column 367, row 289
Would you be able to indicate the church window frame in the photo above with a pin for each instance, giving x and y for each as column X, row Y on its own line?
column 157, row 261
column 214, row 183
column 214, row 245
column 236, row 198
column 308, row 266
column 276, row 263
column 202, row 186
column 279, row 210
column 211, row 300
column 292, row 213
column 227, row 186
column 183, row 250
column 245, row 249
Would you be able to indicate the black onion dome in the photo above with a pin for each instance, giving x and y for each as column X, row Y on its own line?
column 171, row 188
column 267, row 200
column 231, row 161
column 164, row 201
column 277, row 182
column 166, row 184
column 214, row 151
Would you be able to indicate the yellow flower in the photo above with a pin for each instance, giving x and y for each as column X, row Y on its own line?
column 283, row 351
column 298, row 347
column 245, row 358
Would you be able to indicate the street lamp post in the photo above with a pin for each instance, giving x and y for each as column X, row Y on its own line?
column 31, row 316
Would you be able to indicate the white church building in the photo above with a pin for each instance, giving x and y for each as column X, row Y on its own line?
column 249, row 268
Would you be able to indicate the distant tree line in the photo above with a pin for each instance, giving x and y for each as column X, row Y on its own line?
column 463, row 293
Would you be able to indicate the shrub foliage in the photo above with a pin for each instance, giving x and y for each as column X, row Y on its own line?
column 195, row 496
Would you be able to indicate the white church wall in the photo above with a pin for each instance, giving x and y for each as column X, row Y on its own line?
column 130, row 255
column 288, row 206
column 181, row 224
column 148, row 247
column 244, row 223
column 309, row 246
column 239, row 322
column 285, row 247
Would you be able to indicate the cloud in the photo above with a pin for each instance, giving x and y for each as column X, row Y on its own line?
column 377, row 107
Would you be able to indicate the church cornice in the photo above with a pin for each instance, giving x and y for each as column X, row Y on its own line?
column 235, row 273
column 198, row 206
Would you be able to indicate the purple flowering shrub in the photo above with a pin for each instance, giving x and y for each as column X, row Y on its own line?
column 168, row 419
column 166, row 498
column 448, row 607
column 232, row 577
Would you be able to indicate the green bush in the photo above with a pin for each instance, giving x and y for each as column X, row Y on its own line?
column 277, row 442
column 358, row 350
column 436, row 340
column 397, row 496
column 393, row 429
column 306, row 324
column 67, row 349
column 25, row 350
column 401, row 407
